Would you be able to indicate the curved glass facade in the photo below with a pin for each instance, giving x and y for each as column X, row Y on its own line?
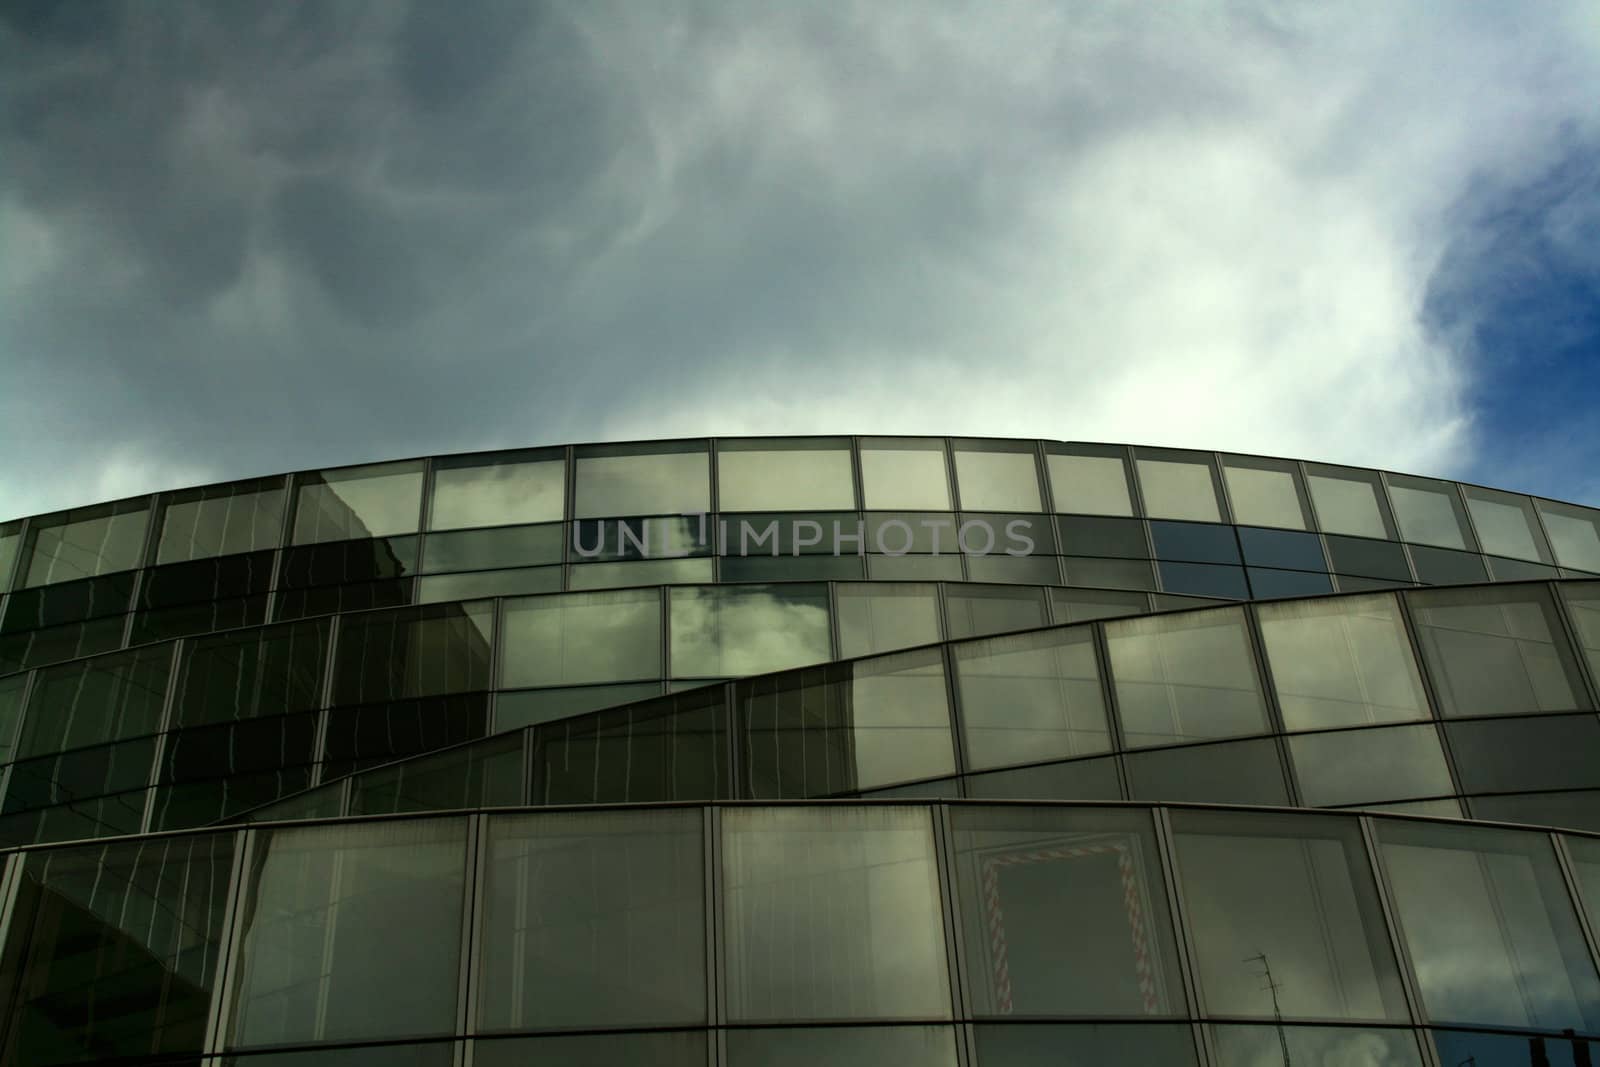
column 804, row 750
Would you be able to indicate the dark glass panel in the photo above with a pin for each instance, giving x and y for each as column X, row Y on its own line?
column 791, row 569
column 83, row 773
column 1289, row 894
column 1195, row 542
column 1574, row 811
column 369, row 734
column 843, row 1046
column 1523, row 754
column 35, row 649
column 1364, row 766
column 57, row 605
column 1082, row 605
column 204, row 802
column 96, row 700
column 1115, row 538
column 417, row 652
column 1109, row 573
column 1027, row 570
column 487, row 774
column 220, row 520
column 85, row 542
column 528, row 707
column 345, row 562
column 206, row 579
column 478, row 550
column 1335, row 1046
column 1237, row 772
column 1276, row 585
column 1443, row 566
column 664, row 1049
column 11, row 693
column 1087, row 779
column 351, row 932
column 915, row 568
column 415, row 1054
column 90, row 816
column 977, row 611
column 1084, row 1045
column 244, row 747
column 672, row 748
column 1065, row 912
column 475, row 585
column 640, row 572
column 332, row 599
column 1204, row 579
column 1516, row 570
column 354, row 502
column 1478, row 1049
column 203, row 618
column 262, row 672
column 846, row 726
column 1348, row 584
column 896, row 533
column 112, row 950
column 1282, row 549
column 593, row 919
column 1006, row 535
column 1368, row 558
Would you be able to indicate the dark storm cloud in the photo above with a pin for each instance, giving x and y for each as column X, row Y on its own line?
column 242, row 238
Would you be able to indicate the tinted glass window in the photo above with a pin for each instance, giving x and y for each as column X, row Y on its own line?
column 1109, row 573
column 1088, row 779
column 1185, row 677
column 1281, row 549
column 1429, row 512
column 85, row 542
column 1292, row 895
column 529, row 706
column 1495, row 651
column 973, row 611
column 593, row 919
column 1510, row 756
column 1344, row 662
column 513, row 546
column 880, row 618
column 739, row 630
column 1239, row 772
column 486, row 774
column 905, row 473
column 1089, row 480
column 671, row 748
column 1506, row 524
column 1491, row 930
column 1083, row 1045
column 660, row 478
column 665, row 1049
column 1349, row 501
column 1575, row 810
column 862, row 934
column 1274, row 585
column 1066, row 912
column 1445, row 566
column 498, row 490
column 1361, row 766
column 1175, row 487
column 1086, row 536
column 843, row 1046
column 1081, row 605
column 1204, row 579
column 1031, row 697
column 357, row 502
column 1194, row 542
column 96, row 700
column 11, row 690
column 1514, row 1050
column 1574, row 534
column 1265, row 492
column 219, row 520
column 247, row 675
column 443, row 648
column 1270, row 1046
column 764, row 474
column 438, row 588
column 997, row 476
column 10, row 540
column 1583, row 608
column 582, row 637
column 1371, row 559
column 643, row 572
column 1585, row 853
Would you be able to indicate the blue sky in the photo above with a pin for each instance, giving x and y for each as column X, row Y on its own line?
column 241, row 239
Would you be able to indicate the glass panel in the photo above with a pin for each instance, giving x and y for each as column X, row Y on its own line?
column 113, row 950
column 486, row 774
column 1332, row 1046
column 791, row 569
column 1344, row 662
column 1429, row 512
column 1583, row 608
column 1282, row 549
column 672, row 748
column 365, row 735
column 1110, row 573
column 1084, row 1045
column 1371, row 559
column 1178, row 485
column 1204, row 579
column 817, row 533
column 1516, row 570
column 1093, row 536
column 593, row 919
column 1585, row 853
column 843, row 1046
column 419, row 1054
column 975, row 610
column 418, row 652
column 528, row 707
column 220, row 520
column 640, row 572
column 668, row 1049
column 1082, row 605
column 511, row 546
column 1446, row 808
column 1574, row 534
column 1292, row 897
column 1087, row 779
column 1195, row 542
column 659, row 478
column 1185, row 677
column 498, row 490
column 1238, row 772
column 348, row 561
column 1495, row 651
column 1031, row 697
column 1265, row 492
column 1445, row 566
column 739, row 630
column 185, row 804
column 1088, row 480
column 761, row 474
column 661, row 537
column 1573, row 811
column 1276, row 585
column 441, row 588
column 1363, row 766
column 1492, row 933
column 251, row 674
column 85, row 542
column 320, row 959
column 1349, row 501
column 10, row 541
column 1524, row 754
column 846, row 726
column 997, row 476
column 832, row 913
column 357, row 502
column 881, row 618
column 1066, row 912
column 1477, row 1049
column 1036, row 570
column 905, row 473
column 96, row 700
column 1506, row 524
column 582, row 637
column 11, row 691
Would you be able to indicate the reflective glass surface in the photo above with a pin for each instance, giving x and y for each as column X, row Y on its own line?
column 1513, row 755
column 1362, row 766
column 671, row 748
column 768, row 474
column 1178, row 485
column 414, row 652
column 1496, row 651
column 904, row 473
column 319, row 956
column 439, row 588
column 1235, row 772
column 1491, row 931
column 1574, row 534
column 96, row 700
column 832, row 913
column 1184, row 677
column 975, row 610
column 498, row 489
column 1583, row 608
column 485, row 774
column 510, row 546
column 525, row 707
column 1506, row 524
column 10, row 541
column 1344, row 662
column 593, row 919
column 84, row 542
column 357, row 502
column 1082, row 605
column 1446, row 566
column 1083, row 1045
column 1065, row 912
column 1289, row 896
column 1321, row 1046
column 1031, row 697
column 1349, row 501
column 661, row 1049
column 1265, row 492
column 1429, row 512
column 1476, row 1049
column 11, row 693
column 1086, row 779
column 219, row 520
column 843, row 1046
column 718, row 632
column 660, row 478
column 997, row 476
column 582, row 637
column 880, row 618
column 1089, row 480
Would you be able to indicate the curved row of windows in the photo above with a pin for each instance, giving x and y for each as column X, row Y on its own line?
column 988, row 934
column 1363, row 699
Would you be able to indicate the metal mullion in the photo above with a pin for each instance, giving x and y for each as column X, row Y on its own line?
column 525, row 796
column 13, row 573
column 1429, row 691
column 955, row 948
column 1554, row 589
column 324, row 702
column 281, row 548
column 472, row 933
column 664, row 607
column 1219, row 483
column 716, row 964
column 1471, row 529
column 1183, row 946
column 1409, row 985
column 951, row 486
column 1588, row 925
column 1047, row 496
column 569, row 503
column 246, row 842
column 735, row 745
column 835, row 638
column 1108, row 697
column 169, row 700
column 1269, row 693
column 956, row 718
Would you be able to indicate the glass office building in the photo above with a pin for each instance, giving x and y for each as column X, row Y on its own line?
column 773, row 751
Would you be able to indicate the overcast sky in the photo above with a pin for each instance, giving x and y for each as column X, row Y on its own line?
column 241, row 238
